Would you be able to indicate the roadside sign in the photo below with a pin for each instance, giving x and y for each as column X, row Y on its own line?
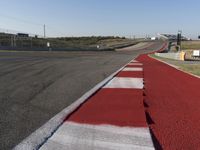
column 196, row 53
column 48, row 44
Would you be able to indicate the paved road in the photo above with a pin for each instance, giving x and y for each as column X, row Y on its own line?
column 34, row 86
column 138, row 46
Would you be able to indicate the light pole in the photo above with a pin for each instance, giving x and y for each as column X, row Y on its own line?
column 179, row 38
column 44, row 31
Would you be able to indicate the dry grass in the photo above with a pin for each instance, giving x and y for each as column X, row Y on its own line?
column 190, row 45
column 190, row 67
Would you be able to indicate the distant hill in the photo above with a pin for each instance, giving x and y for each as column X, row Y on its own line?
column 27, row 42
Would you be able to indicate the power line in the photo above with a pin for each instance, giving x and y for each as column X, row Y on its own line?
column 20, row 20
column 55, row 30
column 44, row 27
column 11, row 31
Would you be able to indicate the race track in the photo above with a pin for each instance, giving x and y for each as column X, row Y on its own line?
column 34, row 86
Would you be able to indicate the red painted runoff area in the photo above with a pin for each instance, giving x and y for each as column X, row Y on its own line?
column 173, row 99
column 121, row 107
column 133, row 74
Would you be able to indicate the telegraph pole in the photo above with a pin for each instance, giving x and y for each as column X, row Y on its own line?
column 44, row 31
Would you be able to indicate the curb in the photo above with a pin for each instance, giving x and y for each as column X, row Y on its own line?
column 42, row 134
column 112, row 118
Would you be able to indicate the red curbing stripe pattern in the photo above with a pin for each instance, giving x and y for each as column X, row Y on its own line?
column 134, row 74
column 113, row 118
column 120, row 107
column 103, row 127
column 134, row 66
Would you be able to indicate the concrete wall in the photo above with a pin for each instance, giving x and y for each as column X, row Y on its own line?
column 176, row 56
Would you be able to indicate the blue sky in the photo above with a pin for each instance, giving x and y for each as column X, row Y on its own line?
column 101, row 17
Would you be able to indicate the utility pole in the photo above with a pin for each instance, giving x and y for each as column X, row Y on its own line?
column 11, row 41
column 179, row 38
column 44, row 31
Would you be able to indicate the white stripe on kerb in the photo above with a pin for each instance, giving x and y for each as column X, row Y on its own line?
column 132, row 69
column 74, row 136
column 136, row 64
column 133, row 61
column 124, row 82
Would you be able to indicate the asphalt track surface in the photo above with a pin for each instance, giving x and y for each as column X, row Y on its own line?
column 138, row 46
column 34, row 86
column 172, row 104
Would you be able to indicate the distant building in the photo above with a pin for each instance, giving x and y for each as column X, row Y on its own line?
column 154, row 38
column 22, row 35
column 173, row 37
column 6, row 34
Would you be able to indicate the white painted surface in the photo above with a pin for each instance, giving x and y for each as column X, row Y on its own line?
column 136, row 64
column 132, row 69
column 48, row 44
column 124, row 82
column 74, row 136
column 134, row 61
column 196, row 53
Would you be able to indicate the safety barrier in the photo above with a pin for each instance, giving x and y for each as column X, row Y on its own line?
column 175, row 56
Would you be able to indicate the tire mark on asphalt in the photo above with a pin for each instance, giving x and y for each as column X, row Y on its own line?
column 19, row 68
column 44, row 87
column 9, row 64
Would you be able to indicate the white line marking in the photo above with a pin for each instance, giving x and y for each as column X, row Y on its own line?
column 133, row 61
column 123, row 82
column 132, row 69
column 136, row 64
column 75, row 136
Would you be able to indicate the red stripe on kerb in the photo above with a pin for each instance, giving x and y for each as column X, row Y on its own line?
column 121, row 107
column 134, row 74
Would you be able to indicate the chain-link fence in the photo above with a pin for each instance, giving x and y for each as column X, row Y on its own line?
column 17, row 40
